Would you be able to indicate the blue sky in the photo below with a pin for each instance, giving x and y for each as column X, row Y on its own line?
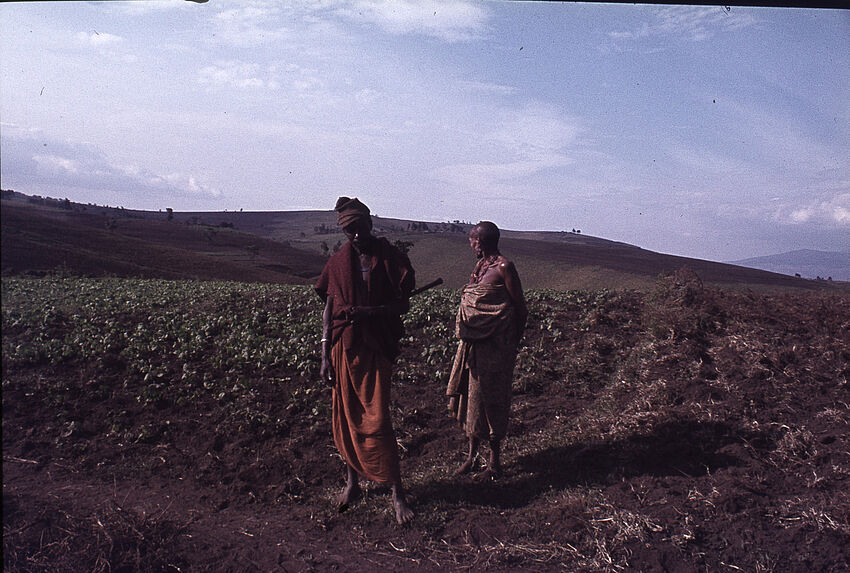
column 699, row 131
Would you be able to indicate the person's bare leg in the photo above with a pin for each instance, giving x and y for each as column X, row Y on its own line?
column 351, row 491
column 494, row 468
column 403, row 513
column 470, row 457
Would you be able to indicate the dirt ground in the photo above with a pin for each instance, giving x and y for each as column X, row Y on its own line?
column 686, row 429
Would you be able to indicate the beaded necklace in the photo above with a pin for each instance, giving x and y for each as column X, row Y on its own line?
column 483, row 266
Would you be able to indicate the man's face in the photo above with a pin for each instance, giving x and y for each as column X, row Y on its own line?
column 475, row 243
column 359, row 232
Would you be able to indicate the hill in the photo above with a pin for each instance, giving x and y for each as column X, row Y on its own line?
column 805, row 262
column 39, row 239
column 41, row 235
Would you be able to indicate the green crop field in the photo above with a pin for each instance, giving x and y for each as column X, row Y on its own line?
column 159, row 425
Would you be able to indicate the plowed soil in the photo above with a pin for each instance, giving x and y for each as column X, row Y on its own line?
column 684, row 429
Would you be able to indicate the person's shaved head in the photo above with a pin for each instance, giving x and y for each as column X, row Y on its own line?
column 487, row 233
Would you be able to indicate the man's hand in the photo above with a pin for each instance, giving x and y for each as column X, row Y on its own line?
column 327, row 371
column 358, row 313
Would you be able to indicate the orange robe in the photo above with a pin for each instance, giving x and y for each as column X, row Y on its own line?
column 362, row 427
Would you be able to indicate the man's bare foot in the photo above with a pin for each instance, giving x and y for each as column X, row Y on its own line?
column 490, row 474
column 465, row 468
column 348, row 496
column 403, row 513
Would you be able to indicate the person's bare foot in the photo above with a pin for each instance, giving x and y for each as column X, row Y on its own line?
column 403, row 513
column 348, row 496
column 490, row 474
column 465, row 468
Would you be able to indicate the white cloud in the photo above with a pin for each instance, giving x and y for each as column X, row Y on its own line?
column 487, row 88
column 522, row 143
column 148, row 6
column 802, row 215
column 450, row 20
column 99, row 39
column 841, row 215
column 56, row 162
column 829, row 211
column 367, row 96
column 536, row 132
column 44, row 162
column 237, row 74
column 694, row 23
column 251, row 24
column 705, row 161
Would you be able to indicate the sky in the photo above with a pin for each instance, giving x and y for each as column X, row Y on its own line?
column 703, row 131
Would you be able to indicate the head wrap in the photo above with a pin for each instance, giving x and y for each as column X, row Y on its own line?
column 350, row 210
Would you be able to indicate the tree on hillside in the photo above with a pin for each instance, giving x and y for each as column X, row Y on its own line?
column 403, row 246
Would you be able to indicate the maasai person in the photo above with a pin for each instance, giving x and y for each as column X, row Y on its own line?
column 365, row 287
column 490, row 323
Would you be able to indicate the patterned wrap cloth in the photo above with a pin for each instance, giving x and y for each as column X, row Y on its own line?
column 480, row 382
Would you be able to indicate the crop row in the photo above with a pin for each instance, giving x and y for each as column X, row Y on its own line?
column 174, row 339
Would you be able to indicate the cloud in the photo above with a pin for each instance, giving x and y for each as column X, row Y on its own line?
column 801, row 215
column 367, row 96
column 254, row 23
column 487, row 88
column 251, row 24
column 149, row 6
column 39, row 162
column 703, row 161
column 450, row 20
column 829, row 211
column 692, row 23
column 53, row 162
column 523, row 142
column 240, row 75
column 536, row 132
column 99, row 39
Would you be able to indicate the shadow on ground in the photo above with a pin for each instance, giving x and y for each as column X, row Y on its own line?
column 684, row 448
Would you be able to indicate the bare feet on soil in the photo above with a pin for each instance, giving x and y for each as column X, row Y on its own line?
column 351, row 491
column 466, row 467
column 403, row 513
column 490, row 474
column 348, row 496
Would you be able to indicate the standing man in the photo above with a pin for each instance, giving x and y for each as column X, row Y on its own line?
column 365, row 287
column 490, row 323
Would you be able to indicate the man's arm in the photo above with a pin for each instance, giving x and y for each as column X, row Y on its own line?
column 397, row 306
column 326, row 371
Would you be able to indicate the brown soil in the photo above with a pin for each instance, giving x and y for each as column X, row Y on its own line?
column 687, row 429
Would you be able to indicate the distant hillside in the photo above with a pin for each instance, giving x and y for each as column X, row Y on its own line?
column 805, row 262
column 37, row 239
column 43, row 234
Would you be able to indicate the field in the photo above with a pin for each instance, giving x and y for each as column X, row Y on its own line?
column 154, row 425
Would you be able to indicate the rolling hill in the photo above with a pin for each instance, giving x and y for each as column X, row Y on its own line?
column 806, row 262
column 41, row 235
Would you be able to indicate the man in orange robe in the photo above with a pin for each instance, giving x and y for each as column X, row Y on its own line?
column 365, row 286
